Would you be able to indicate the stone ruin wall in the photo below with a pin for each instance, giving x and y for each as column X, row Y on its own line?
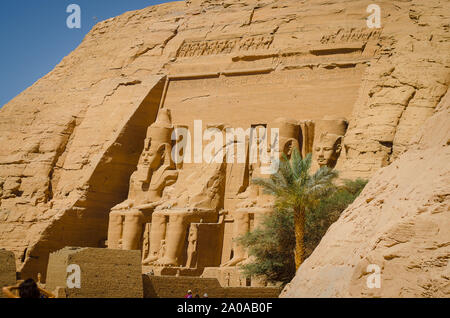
column 70, row 142
column 104, row 273
column 176, row 287
column 7, row 269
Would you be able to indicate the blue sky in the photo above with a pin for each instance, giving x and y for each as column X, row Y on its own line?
column 35, row 37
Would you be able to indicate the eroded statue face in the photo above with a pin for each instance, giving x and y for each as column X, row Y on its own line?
column 328, row 150
column 154, row 156
column 289, row 147
column 151, row 160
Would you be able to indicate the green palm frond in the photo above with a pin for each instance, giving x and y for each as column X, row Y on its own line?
column 269, row 186
column 293, row 187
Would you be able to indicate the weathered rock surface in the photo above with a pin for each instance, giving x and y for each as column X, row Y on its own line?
column 401, row 222
column 69, row 143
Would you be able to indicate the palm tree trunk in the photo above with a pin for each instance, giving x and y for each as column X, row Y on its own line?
column 299, row 225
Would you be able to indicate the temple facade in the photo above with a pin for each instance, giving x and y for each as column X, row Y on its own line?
column 185, row 214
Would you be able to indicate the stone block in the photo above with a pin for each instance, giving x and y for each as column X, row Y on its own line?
column 104, row 273
column 7, row 269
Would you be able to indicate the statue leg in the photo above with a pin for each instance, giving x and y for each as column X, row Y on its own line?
column 157, row 234
column 175, row 241
column 240, row 227
column 132, row 230
column 115, row 229
column 259, row 217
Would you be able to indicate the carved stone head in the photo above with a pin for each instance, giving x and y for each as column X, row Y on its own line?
column 328, row 142
column 289, row 136
column 157, row 147
column 155, row 169
column 328, row 150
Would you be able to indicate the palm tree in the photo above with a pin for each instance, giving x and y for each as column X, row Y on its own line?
column 295, row 189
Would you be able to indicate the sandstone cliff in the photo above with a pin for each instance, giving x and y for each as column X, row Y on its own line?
column 69, row 143
column 400, row 223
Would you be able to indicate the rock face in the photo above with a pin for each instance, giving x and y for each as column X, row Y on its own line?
column 400, row 223
column 104, row 273
column 70, row 143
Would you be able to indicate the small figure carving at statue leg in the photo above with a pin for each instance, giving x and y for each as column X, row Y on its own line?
column 157, row 234
column 240, row 227
column 175, row 241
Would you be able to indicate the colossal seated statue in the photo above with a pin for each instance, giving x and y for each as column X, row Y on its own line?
column 174, row 197
column 155, row 171
column 256, row 204
column 168, row 195
column 196, row 197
